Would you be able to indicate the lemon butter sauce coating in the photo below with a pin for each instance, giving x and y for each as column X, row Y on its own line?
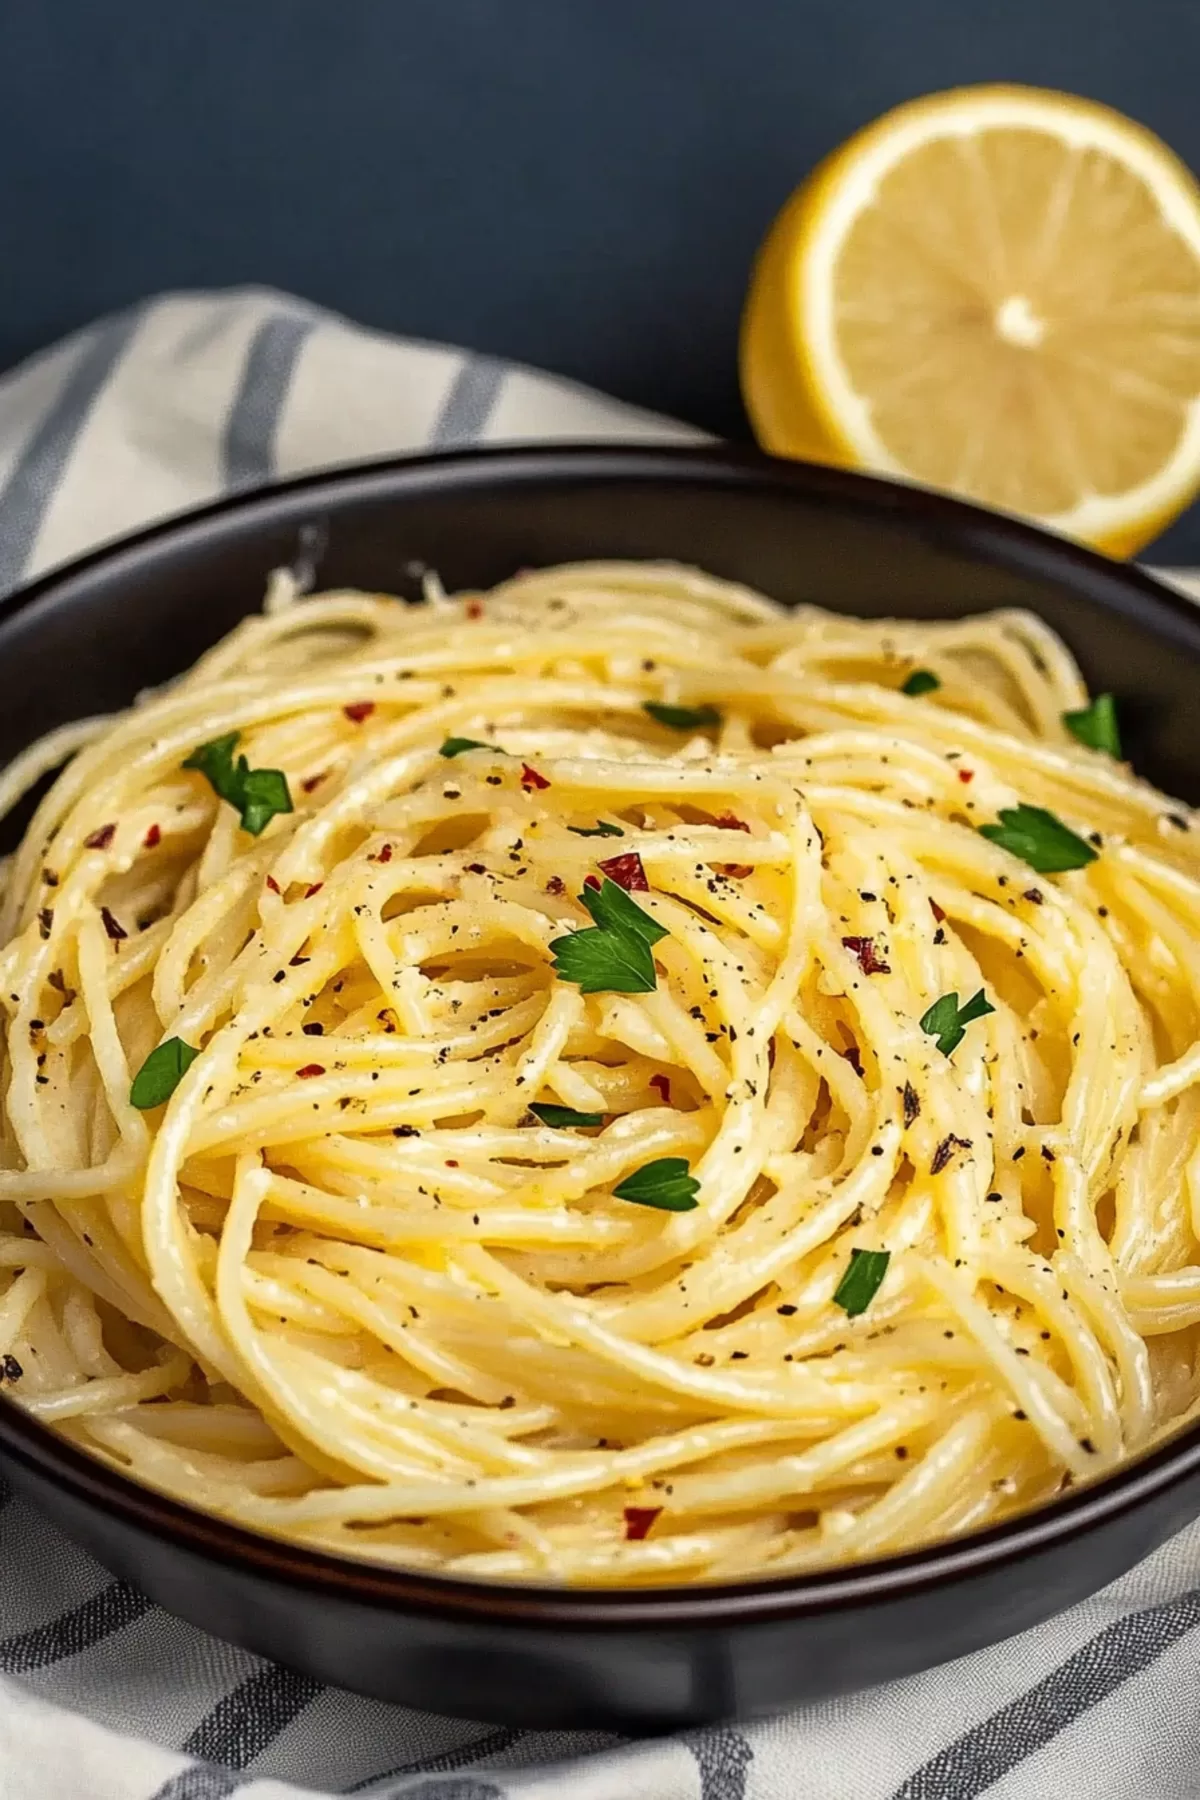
column 605, row 1080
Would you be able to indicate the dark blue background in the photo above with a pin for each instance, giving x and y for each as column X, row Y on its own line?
column 578, row 183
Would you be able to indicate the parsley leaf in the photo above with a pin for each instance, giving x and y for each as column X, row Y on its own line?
column 665, row 1184
column 215, row 762
column 614, row 958
column 1039, row 839
column 921, row 681
column 947, row 1021
column 257, row 794
column 682, row 718
column 562, row 1117
column 601, row 828
column 613, row 910
column 454, row 746
column 1096, row 726
column 264, row 793
column 605, row 962
column 161, row 1074
column 862, row 1280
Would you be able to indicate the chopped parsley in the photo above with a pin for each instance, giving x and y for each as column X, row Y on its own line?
column 665, row 1184
column 561, row 1118
column 861, row 1281
column 455, row 746
column 605, row 962
column 161, row 1074
column 1096, row 726
column 257, row 794
column 1039, row 839
column 613, row 910
column 921, row 681
column 613, row 958
column 682, row 718
column 947, row 1021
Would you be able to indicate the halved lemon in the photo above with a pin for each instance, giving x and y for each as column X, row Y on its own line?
column 994, row 290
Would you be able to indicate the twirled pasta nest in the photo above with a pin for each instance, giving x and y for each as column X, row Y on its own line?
column 584, row 1082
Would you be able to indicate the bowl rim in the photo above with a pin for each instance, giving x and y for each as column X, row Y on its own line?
column 987, row 537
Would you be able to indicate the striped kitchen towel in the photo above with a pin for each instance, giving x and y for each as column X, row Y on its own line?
column 104, row 1696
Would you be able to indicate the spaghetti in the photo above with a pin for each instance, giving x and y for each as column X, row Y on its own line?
column 605, row 1080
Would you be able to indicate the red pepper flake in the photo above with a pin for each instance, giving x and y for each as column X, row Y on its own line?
column 474, row 609
column 383, row 854
column 627, row 872
column 864, row 949
column 272, row 884
column 937, row 912
column 737, row 871
column 314, row 889
column 314, row 781
column 853, row 1058
column 476, row 868
column 591, row 881
column 638, row 1520
column 555, row 885
column 1035, row 896
column 114, row 928
column 100, row 840
column 965, row 775
column 662, row 1086
column 359, row 710
column 530, row 778
column 451, row 1163
column 152, row 839
column 310, row 1069
column 730, row 822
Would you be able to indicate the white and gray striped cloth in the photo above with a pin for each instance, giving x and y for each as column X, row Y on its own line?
column 104, row 1696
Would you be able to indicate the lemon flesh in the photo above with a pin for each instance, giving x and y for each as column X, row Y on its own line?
column 994, row 291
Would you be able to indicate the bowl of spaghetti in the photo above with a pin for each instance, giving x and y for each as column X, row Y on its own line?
column 601, row 1103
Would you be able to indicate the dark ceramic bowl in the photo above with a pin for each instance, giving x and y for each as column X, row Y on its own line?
column 85, row 640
